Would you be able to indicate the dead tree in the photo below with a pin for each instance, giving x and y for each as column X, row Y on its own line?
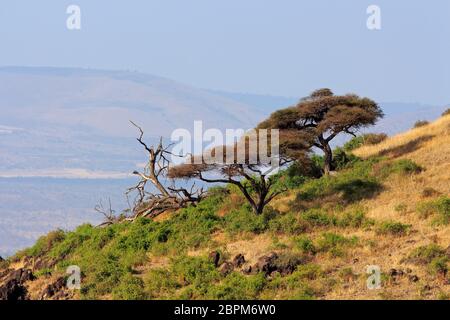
column 163, row 196
column 108, row 213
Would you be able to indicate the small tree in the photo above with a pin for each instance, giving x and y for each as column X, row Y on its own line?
column 253, row 178
column 320, row 117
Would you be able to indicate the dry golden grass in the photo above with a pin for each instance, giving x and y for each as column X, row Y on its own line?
column 428, row 146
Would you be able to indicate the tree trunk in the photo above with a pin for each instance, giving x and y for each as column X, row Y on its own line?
column 328, row 159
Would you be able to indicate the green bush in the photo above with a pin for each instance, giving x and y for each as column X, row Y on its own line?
column 161, row 283
column 355, row 218
column 439, row 208
column 305, row 245
column 129, row 288
column 439, row 266
column 45, row 243
column 406, row 166
column 335, row 244
column 353, row 184
column 289, row 223
column 401, row 208
column 245, row 221
column 318, row 218
column 342, row 159
column 366, row 139
column 393, row 228
column 426, row 254
column 238, row 287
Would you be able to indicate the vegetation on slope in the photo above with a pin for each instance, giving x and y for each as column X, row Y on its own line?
column 380, row 208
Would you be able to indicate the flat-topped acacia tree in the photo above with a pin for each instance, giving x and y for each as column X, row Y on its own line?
column 320, row 117
column 251, row 177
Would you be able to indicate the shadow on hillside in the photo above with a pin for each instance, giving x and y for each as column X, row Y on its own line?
column 341, row 194
column 357, row 190
column 409, row 147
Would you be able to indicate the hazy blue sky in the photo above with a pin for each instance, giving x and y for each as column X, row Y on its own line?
column 284, row 47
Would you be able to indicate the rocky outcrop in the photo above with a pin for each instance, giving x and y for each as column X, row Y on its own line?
column 267, row 264
column 55, row 290
column 12, row 284
column 238, row 261
column 226, row 268
column 214, row 257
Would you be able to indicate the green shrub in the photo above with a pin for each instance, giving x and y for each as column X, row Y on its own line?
column 245, row 221
column 161, row 283
column 335, row 244
column 294, row 286
column 355, row 218
column 401, row 208
column 45, row 243
column 353, row 184
column 318, row 218
column 305, row 245
column 426, row 254
column 42, row 272
column 366, row 139
column 196, row 272
column 238, row 287
column 440, row 208
column 406, row 166
column 289, row 223
column 439, row 266
column 393, row 228
column 342, row 159
column 129, row 288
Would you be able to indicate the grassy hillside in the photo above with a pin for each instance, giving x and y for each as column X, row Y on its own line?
column 388, row 205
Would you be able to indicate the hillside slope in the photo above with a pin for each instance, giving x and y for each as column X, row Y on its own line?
column 389, row 208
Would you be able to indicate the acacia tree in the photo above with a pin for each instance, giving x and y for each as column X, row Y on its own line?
column 252, row 177
column 320, row 117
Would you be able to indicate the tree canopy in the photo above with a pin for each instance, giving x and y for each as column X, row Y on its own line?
column 319, row 118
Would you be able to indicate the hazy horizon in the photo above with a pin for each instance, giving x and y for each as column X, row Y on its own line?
column 262, row 47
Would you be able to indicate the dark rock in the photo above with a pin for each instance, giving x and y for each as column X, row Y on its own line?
column 54, row 289
column 12, row 284
column 226, row 268
column 272, row 263
column 408, row 270
column 247, row 270
column 1, row 259
column 266, row 264
column 413, row 278
column 12, row 290
column 392, row 272
column 42, row 263
column 214, row 257
column 21, row 275
column 238, row 261
column 356, row 260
